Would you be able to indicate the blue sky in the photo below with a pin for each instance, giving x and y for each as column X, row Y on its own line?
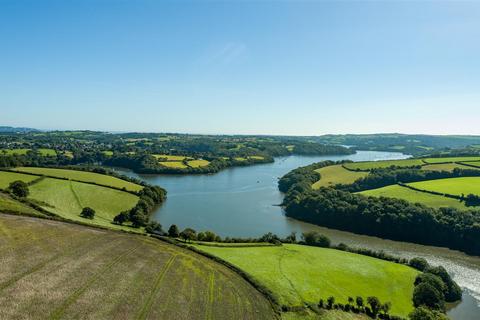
column 300, row 68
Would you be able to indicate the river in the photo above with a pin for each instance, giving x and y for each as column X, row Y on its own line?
column 243, row 202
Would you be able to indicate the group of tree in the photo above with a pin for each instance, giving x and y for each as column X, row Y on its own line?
column 434, row 286
column 371, row 307
column 149, row 198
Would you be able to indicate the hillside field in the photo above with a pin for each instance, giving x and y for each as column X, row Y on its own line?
column 8, row 177
column 455, row 186
column 54, row 270
column 67, row 199
column 336, row 174
column 298, row 274
column 445, row 167
column 369, row 165
column 84, row 176
column 431, row 200
column 451, row 159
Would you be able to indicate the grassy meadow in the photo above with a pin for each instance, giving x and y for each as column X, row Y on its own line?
column 67, row 199
column 54, row 270
column 10, row 205
column 369, row 165
column 298, row 274
column 336, row 174
column 84, row 176
column 444, row 167
column 431, row 200
column 455, row 186
column 173, row 164
column 451, row 159
column 8, row 177
column 198, row 163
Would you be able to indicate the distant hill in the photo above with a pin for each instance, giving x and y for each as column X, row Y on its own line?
column 15, row 129
column 415, row 144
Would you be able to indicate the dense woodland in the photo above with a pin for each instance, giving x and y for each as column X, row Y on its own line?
column 384, row 217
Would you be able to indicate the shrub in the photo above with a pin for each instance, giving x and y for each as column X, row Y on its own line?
column 87, row 213
column 19, row 188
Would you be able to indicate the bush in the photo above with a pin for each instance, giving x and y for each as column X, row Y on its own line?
column 422, row 313
column 427, row 295
column 19, row 189
column 418, row 263
column 313, row 238
column 87, row 213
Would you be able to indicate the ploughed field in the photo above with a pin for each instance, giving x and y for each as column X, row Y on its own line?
column 297, row 274
column 54, row 270
column 67, row 198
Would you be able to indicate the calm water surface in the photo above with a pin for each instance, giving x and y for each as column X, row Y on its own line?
column 243, row 202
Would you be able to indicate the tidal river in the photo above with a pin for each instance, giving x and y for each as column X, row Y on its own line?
column 243, row 202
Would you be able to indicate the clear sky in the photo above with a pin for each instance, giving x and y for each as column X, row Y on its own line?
column 266, row 67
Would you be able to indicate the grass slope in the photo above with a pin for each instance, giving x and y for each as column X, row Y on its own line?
column 198, row 163
column 10, row 205
column 369, row 165
column 444, row 167
column 67, row 198
column 53, row 270
column 451, row 159
column 85, row 176
column 396, row 191
column 336, row 174
column 300, row 274
column 8, row 177
column 173, row 164
column 455, row 186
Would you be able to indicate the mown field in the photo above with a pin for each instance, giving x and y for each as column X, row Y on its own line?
column 369, row 165
column 455, row 186
column 336, row 174
column 451, row 159
column 198, row 163
column 67, row 199
column 82, row 176
column 298, row 274
column 173, row 164
column 445, row 167
column 396, row 191
column 8, row 177
column 53, row 270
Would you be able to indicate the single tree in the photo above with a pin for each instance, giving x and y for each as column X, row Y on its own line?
column 173, row 231
column 188, row 234
column 19, row 188
column 121, row 218
column 359, row 302
column 375, row 304
column 87, row 213
column 330, row 302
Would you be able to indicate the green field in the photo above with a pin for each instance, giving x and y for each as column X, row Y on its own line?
column 67, row 199
column 173, row 164
column 54, row 270
column 47, row 152
column 473, row 163
column 8, row 204
column 298, row 274
column 451, row 159
column 431, row 200
column 444, row 167
column 336, row 174
column 198, row 163
column 256, row 157
column 14, row 151
column 85, row 176
column 455, row 186
column 369, row 165
column 8, row 177
column 108, row 153
column 166, row 157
